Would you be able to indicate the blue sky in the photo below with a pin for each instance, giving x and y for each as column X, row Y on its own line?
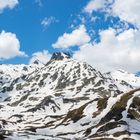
column 25, row 21
column 101, row 32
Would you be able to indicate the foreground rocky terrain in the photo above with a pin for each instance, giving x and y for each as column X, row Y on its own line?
column 66, row 99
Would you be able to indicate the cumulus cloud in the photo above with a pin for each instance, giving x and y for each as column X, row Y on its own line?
column 9, row 46
column 7, row 4
column 41, row 57
column 47, row 21
column 113, row 51
column 77, row 37
column 94, row 5
column 128, row 10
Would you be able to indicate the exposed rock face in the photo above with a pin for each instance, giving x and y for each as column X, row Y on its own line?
column 60, row 56
column 66, row 99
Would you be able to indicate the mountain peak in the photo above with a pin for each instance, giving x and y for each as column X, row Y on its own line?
column 60, row 56
column 75, row 96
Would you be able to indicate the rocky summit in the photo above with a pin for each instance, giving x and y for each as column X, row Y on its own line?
column 66, row 99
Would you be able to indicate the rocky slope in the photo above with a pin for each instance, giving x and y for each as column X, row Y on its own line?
column 66, row 99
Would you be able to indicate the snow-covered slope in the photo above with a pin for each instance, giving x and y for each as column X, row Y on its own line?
column 66, row 99
column 121, row 75
column 8, row 73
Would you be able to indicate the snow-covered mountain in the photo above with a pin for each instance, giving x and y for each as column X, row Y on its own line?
column 130, row 78
column 66, row 99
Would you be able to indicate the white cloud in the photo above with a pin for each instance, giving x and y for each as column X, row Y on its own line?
column 117, row 49
column 47, row 21
column 113, row 51
column 94, row 5
column 9, row 46
column 7, row 4
column 42, row 57
column 128, row 10
column 77, row 37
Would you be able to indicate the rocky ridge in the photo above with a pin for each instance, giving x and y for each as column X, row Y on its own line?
column 66, row 99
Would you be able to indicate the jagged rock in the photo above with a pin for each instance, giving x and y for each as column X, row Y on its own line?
column 66, row 99
column 60, row 56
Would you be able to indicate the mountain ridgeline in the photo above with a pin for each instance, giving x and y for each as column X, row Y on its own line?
column 66, row 99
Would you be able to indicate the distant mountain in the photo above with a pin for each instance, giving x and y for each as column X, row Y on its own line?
column 66, row 99
column 121, row 75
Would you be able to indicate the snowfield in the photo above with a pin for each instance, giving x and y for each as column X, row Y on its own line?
column 67, row 99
